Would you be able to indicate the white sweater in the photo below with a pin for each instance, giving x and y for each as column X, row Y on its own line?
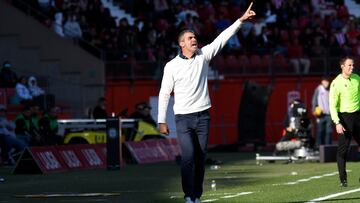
column 188, row 78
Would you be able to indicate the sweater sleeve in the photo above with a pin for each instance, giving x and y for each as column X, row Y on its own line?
column 314, row 100
column 220, row 41
column 167, row 86
column 334, row 102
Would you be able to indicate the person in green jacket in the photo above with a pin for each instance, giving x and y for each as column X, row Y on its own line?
column 26, row 129
column 344, row 104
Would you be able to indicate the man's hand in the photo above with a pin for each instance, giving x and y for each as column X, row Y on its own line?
column 163, row 128
column 248, row 13
column 340, row 129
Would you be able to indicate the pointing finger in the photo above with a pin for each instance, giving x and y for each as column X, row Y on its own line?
column 249, row 7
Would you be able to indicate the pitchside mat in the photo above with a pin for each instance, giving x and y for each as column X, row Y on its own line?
column 238, row 179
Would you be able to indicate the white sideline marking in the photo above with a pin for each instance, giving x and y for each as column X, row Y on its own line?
column 308, row 179
column 209, row 200
column 236, row 195
column 227, row 196
column 333, row 195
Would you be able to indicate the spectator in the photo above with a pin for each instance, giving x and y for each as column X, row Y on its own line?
column 352, row 32
column 34, row 89
column 57, row 25
column 160, row 5
column 182, row 15
column 269, row 14
column 72, row 28
column 264, row 39
column 322, row 7
column 99, row 111
column 320, row 109
column 35, row 115
column 318, row 50
column 48, row 127
column 259, row 25
column 45, row 4
column 8, row 78
column 143, row 112
column 25, row 129
column 8, row 138
column 356, row 48
column 297, row 57
column 23, row 94
column 44, row 100
column 306, row 39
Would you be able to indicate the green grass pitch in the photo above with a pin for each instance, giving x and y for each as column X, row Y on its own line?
column 239, row 179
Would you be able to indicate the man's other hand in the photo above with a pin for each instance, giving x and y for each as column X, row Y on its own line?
column 163, row 128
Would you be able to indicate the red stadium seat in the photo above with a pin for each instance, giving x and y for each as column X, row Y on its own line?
column 280, row 64
column 266, row 63
column 232, row 64
column 244, row 62
column 255, row 63
column 294, row 33
column 3, row 96
column 219, row 63
column 284, row 34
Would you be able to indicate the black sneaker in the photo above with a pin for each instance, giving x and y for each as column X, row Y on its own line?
column 344, row 183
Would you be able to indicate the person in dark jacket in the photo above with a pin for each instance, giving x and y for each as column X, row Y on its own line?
column 143, row 112
column 48, row 127
column 8, row 78
column 99, row 111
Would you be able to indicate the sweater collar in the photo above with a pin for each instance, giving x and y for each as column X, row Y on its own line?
column 181, row 55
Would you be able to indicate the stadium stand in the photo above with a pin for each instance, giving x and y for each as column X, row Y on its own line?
column 123, row 28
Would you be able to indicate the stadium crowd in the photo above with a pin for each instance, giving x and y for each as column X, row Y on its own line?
column 35, row 121
column 293, row 29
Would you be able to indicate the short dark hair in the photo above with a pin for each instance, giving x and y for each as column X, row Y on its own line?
column 181, row 34
column 27, row 107
column 342, row 60
column 325, row 77
column 101, row 99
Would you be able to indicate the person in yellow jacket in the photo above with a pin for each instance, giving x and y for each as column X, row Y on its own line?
column 344, row 103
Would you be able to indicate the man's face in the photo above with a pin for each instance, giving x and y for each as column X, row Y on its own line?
column 325, row 83
column 146, row 111
column 347, row 67
column 188, row 42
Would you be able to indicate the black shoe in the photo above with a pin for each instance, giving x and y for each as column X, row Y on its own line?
column 344, row 183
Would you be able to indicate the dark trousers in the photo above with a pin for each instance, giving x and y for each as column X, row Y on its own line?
column 7, row 142
column 192, row 132
column 351, row 123
column 324, row 130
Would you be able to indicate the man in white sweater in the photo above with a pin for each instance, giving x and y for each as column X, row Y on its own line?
column 186, row 76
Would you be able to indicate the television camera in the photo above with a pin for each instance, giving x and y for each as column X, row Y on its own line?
column 297, row 142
